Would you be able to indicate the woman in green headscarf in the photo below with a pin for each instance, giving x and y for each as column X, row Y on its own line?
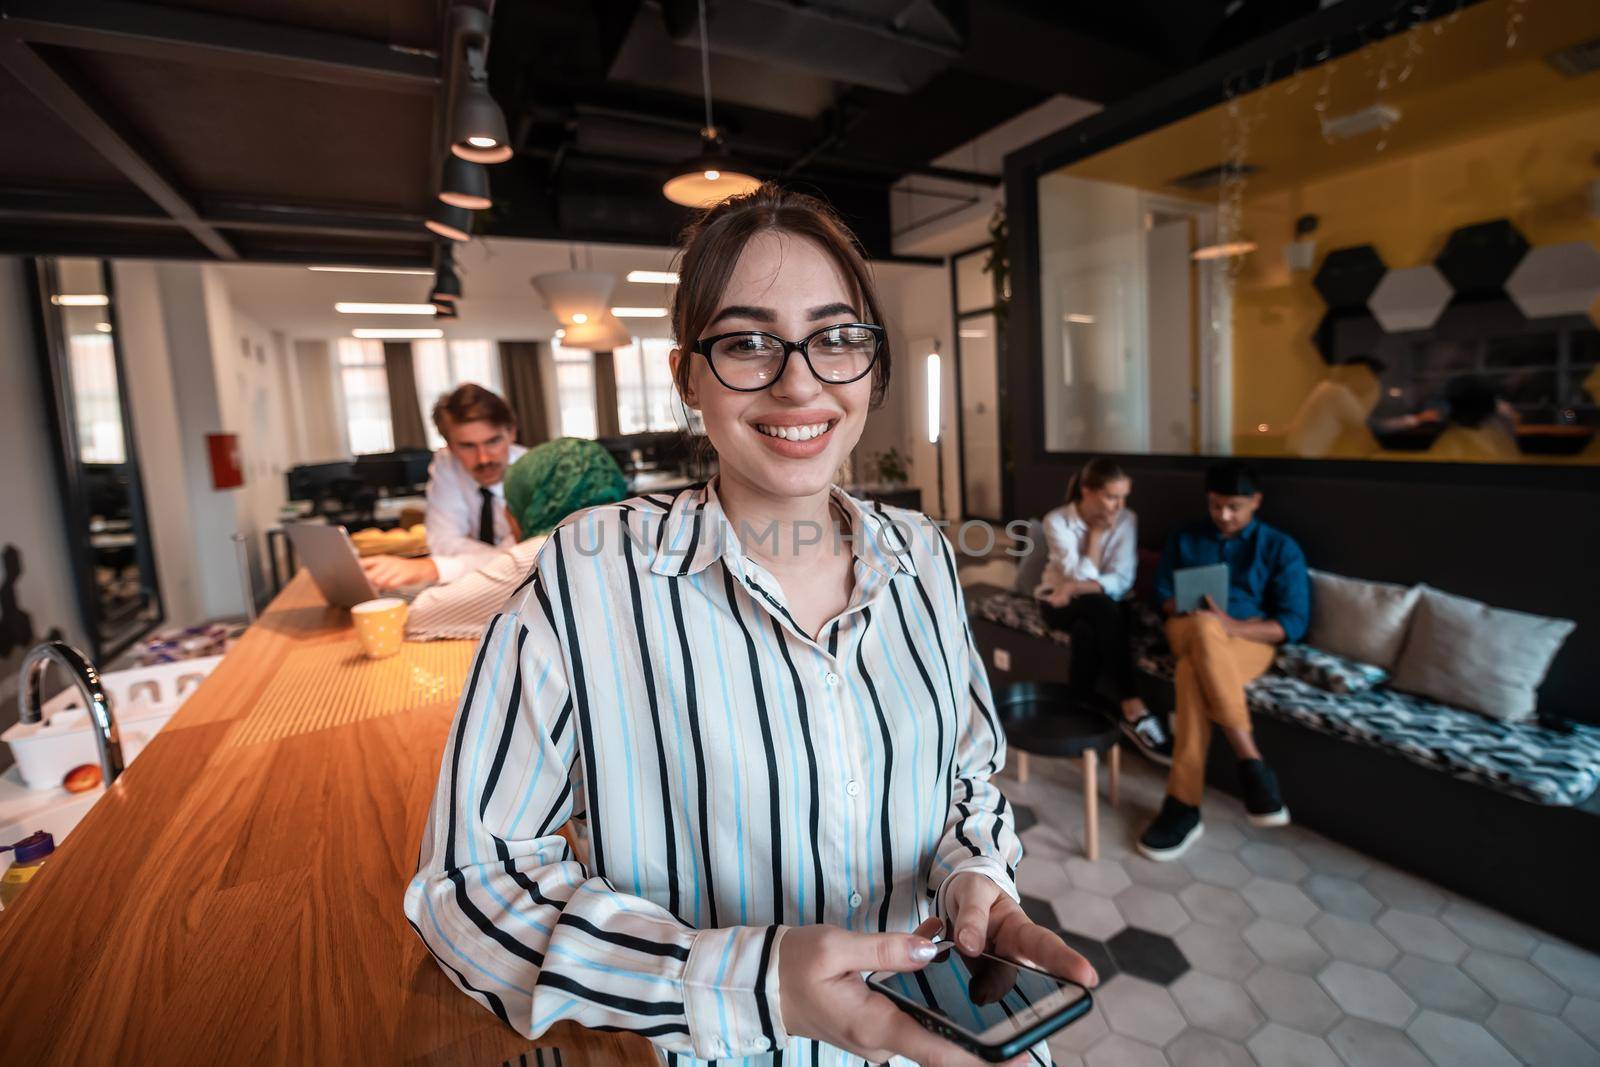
column 554, row 480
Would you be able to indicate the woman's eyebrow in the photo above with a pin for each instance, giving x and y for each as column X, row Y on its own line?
column 822, row 311
column 744, row 311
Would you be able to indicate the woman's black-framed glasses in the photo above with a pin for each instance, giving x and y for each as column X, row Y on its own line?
column 750, row 360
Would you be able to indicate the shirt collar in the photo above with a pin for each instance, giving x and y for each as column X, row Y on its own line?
column 698, row 532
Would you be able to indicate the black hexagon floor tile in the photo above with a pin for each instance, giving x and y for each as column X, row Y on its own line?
column 1040, row 912
column 1095, row 952
column 1024, row 816
column 1148, row 955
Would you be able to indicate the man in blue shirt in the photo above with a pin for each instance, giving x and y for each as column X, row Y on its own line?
column 1269, row 603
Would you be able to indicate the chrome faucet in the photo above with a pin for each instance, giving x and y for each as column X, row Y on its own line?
column 87, row 680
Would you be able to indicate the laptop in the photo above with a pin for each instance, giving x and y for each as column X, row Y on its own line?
column 335, row 565
column 1191, row 586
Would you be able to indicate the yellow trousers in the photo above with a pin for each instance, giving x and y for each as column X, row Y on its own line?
column 1213, row 669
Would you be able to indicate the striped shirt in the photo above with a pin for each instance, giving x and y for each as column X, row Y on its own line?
column 724, row 774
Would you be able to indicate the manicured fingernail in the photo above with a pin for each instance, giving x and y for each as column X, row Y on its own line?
column 923, row 951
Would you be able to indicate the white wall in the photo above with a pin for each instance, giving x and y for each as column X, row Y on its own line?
column 31, row 521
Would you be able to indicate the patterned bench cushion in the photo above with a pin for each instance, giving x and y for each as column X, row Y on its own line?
column 1523, row 759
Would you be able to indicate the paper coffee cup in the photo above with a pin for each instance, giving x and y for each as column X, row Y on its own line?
column 381, row 625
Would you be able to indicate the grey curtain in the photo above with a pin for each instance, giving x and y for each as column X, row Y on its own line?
column 405, row 411
column 605, row 396
column 524, row 390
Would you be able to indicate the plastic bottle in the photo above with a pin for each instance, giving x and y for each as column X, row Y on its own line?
column 31, row 852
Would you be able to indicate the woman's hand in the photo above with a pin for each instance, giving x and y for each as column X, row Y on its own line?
column 822, row 994
column 985, row 919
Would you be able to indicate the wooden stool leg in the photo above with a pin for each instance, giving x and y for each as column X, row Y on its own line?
column 1114, row 778
column 1091, row 804
column 1022, row 765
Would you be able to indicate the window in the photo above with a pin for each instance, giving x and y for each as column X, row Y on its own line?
column 443, row 366
column 574, row 390
column 365, row 382
column 644, row 386
column 96, row 400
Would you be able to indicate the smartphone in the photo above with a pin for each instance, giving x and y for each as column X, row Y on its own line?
column 993, row 1007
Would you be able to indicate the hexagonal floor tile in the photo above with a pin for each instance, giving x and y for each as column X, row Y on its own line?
column 1285, row 946
column 1583, row 1015
column 1423, row 935
column 1294, row 1000
column 1217, row 1005
column 1405, row 891
column 1450, row 1040
column 1357, row 942
column 1574, row 968
column 1215, row 951
column 1366, row 993
column 1092, row 950
column 1484, row 928
column 1040, row 911
column 1216, row 906
column 1514, row 981
column 1103, row 876
column 1024, row 818
column 1152, row 909
column 1442, row 987
column 1148, row 955
column 1279, row 1044
column 1273, row 861
column 1329, row 857
column 1194, row 1048
column 1042, row 876
column 1169, row 876
column 1086, row 913
column 1367, row 1044
column 1561, row 279
column 1279, row 900
column 1141, row 1010
column 1342, row 896
column 1216, row 867
column 1082, row 1035
column 1120, row 1051
column 1540, row 1038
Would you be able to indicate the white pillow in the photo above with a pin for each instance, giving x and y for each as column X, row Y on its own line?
column 1360, row 620
column 1030, row 568
column 1484, row 659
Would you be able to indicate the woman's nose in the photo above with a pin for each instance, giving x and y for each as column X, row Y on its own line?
column 797, row 381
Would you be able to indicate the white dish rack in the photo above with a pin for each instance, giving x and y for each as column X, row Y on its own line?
column 142, row 700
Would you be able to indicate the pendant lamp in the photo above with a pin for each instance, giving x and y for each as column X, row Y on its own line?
column 711, row 176
column 602, row 334
column 576, row 297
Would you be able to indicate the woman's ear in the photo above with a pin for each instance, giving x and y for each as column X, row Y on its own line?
column 686, row 390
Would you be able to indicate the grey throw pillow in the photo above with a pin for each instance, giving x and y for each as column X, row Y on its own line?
column 1360, row 620
column 1484, row 659
column 1030, row 568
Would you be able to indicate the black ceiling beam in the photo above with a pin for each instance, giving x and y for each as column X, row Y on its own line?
column 92, row 124
column 170, row 33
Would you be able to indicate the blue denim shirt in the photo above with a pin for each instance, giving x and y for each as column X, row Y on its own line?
column 1266, row 572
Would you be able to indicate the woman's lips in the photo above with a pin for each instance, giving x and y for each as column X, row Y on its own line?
column 793, row 447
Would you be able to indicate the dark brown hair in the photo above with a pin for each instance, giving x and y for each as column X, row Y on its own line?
column 1095, row 474
column 711, row 246
column 470, row 403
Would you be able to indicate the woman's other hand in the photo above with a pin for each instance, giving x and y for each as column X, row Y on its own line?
column 985, row 919
column 823, row 996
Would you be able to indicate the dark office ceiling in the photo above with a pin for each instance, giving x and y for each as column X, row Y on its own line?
column 303, row 130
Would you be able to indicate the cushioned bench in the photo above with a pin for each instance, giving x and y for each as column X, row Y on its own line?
column 1499, row 811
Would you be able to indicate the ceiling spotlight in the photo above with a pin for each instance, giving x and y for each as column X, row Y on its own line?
column 711, row 176
column 465, row 184
column 664, row 277
column 376, row 334
column 446, row 220
column 477, row 125
column 579, row 318
column 446, row 282
column 352, row 307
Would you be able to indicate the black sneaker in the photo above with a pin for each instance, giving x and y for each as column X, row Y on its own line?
column 1150, row 737
column 1175, row 829
column 1262, row 801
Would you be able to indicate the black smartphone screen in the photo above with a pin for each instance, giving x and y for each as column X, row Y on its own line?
column 982, row 993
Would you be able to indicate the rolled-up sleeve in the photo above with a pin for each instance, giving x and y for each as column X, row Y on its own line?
column 1121, row 563
column 512, row 915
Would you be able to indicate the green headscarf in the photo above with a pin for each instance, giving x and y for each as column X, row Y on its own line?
column 559, row 477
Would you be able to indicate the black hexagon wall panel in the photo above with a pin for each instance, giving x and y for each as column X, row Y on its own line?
column 1348, row 276
column 1478, row 259
column 1344, row 335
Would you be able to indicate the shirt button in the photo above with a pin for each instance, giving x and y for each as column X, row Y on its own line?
column 853, row 788
column 855, row 900
column 832, row 679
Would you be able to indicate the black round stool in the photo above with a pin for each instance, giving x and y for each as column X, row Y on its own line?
column 1046, row 719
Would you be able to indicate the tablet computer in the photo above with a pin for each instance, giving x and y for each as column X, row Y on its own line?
column 1191, row 586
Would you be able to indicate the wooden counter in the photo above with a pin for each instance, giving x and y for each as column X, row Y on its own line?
column 236, row 896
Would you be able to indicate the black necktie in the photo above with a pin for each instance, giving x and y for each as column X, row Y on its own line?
column 486, row 516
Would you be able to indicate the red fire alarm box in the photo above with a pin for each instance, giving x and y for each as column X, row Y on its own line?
column 227, row 472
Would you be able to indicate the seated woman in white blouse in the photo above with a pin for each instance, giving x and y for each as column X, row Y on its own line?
column 1094, row 556
column 756, row 705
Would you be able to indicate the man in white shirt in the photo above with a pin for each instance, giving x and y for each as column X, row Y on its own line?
column 467, row 520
